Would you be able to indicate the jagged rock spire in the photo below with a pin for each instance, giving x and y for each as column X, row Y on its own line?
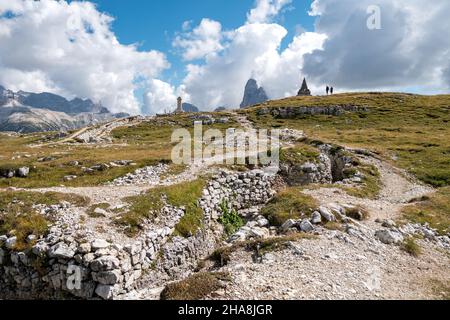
column 253, row 94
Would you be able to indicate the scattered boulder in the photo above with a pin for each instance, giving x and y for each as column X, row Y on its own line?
column 9, row 173
column 61, row 251
column 10, row 243
column 326, row 214
column 23, row 172
column 289, row 224
column 306, row 226
column 316, row 218
column 389, row 236
column 99, row 244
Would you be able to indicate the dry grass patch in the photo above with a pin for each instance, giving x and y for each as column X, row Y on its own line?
column 196, row 287
column 412, row 129
column 441, row 289
column 433, row 209
column 410, row 246
column 290, row 203
column 222, row 256
column 148, row 205
column 18, row 216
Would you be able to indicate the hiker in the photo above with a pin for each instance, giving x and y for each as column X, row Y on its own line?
column 328, row 89
column 331, row 90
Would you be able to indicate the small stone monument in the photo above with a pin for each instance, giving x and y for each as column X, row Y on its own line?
column 304, row 91
column 179, row 106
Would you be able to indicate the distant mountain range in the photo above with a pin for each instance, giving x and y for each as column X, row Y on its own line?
column 253, row 94
column 31, row 112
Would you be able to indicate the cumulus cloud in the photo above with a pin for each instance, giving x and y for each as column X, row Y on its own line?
column 231, row 57
column 69, row 48
column 161, row 97
column 201, row 42
column 221, row 80
column 252, row 52
column 266, row 10
column 412, row 48
column 409, row 51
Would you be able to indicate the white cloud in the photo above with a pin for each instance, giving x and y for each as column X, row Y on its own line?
column 252, row 50
column 201, row 42
column 412, row 49
column 161, row 97
column 266, row 10
column 221, row 80
column 69, row 48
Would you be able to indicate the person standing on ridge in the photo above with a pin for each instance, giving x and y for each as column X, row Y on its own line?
column 331, row 90
column 328, row 89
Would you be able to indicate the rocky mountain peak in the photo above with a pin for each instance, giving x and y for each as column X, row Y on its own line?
column 253, row 94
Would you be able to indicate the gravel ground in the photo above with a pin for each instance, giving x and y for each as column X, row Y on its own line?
column 332, row 268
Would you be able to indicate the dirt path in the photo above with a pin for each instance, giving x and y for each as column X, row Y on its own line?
column 340, row 266
column 398, row 189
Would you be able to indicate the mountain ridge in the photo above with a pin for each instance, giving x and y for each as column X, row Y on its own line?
column 31, row 112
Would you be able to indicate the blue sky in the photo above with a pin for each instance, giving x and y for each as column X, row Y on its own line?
column 154, row 24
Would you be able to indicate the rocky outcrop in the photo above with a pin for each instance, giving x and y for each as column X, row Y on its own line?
column 333, row 164
column 253, row 94
column 289, row 112
column 308, row 172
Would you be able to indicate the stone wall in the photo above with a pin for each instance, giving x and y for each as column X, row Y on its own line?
column 327, row 168
column 295, row 111
column 72, row 263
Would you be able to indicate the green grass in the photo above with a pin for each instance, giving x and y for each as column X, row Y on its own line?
column 146, row 144
column 290, row 203
column 434, row 210
column 148, row 205
column 371, row 184
column 441, row 289
column 230, row 219
column 91, row 210
column 414, row 129
column 222, row 256
column 299, row 154
column 197, row 286
column 410, row 246
column 17, row 214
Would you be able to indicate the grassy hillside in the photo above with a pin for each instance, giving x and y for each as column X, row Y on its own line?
column 411, row 131
column 145, row 144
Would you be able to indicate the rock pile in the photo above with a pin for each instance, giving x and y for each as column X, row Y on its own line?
column 393, row 234
column 319, row 171
column 9, row 173
column 143, row 176
column 207, row 119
